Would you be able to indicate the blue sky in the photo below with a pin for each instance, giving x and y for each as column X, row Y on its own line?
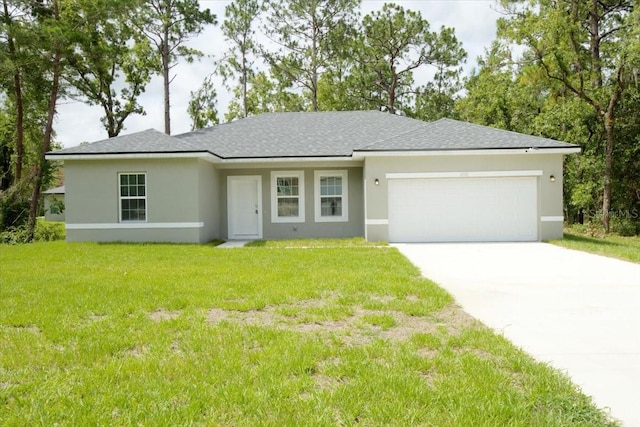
column 473, row 20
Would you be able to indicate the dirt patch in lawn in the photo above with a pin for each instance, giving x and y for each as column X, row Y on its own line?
column 352, row 329
column 162, row 314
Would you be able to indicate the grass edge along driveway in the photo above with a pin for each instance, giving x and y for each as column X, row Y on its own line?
column 118, row 334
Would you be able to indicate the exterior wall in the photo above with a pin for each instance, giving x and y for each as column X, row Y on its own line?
column 209, row 202
column 173, row 213
column 50, row 199
column 308, row 228
column 550, row 209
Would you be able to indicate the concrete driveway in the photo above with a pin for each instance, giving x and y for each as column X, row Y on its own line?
column 577, row 311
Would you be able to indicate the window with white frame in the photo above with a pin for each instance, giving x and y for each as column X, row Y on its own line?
column 331, row 196
column 133, row 196
column 287, row 196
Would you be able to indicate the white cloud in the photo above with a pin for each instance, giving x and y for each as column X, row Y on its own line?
column 473, row 20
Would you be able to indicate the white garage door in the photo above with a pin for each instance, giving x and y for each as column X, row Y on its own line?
column 463, row 209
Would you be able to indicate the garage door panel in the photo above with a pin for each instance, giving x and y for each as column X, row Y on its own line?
column 463, row 209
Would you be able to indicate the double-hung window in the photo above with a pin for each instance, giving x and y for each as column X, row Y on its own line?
column 331, row 196
column 287, row 196
column 133, row 196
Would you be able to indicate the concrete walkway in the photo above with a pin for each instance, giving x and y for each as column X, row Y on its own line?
column 230, row 244
column 577, row 311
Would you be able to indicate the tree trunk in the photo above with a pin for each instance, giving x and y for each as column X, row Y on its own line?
column 41, row 164
column 594, row 24
column 314, row 66
column 166, row 59
column 17, row 89
column 391, row 100
column 608, row 163
column 165, row 78
column 244, row 77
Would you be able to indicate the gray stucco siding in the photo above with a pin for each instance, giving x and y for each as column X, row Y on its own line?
column 309, row 228
column 550, row 194
column 172, row 198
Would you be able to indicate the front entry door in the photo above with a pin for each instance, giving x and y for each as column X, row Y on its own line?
column 244, row 207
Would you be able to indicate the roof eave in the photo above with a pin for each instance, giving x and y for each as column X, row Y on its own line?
column 360, row 154
column 129, row 155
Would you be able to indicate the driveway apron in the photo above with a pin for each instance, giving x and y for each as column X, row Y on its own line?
column 577, row 311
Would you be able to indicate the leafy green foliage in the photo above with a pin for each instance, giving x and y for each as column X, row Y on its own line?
column 45, row 232
column 588, row 50
column 397, row 41
column 304, row 31
column 202, row 106
column 109, row 52
column 239, row 32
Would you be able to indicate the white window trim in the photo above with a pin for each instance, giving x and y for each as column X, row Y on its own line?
column 345, row 195
column 274, row 197
column 120, row 198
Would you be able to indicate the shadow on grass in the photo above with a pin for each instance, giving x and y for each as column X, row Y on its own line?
column 256, row 244
column 594, row 240
column 212, row 243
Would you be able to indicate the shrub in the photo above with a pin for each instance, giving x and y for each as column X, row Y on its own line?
column 45, row 232
column 49, row 231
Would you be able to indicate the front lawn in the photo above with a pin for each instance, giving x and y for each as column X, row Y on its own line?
column 166, row 335
column 625, row 248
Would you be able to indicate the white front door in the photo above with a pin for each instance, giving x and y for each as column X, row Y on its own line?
column 244, row 207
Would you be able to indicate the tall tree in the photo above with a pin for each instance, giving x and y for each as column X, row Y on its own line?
column 266, row 95
column 169, row 24
column 302, row 30
column 239, row 32
column 55, row 48
column 588, row 47
column 27, row 31
column 396, row 42
column 202, row 106
column 108, row 54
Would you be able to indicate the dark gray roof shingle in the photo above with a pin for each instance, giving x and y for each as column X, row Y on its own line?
column 299, row 134
column 322, row 134
column 56, row 190
column 146, row 141
column 447, row 134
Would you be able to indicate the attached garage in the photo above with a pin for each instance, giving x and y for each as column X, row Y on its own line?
column 448, row 207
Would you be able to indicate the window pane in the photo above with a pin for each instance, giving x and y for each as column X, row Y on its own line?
column 288, row 206
column 132, row 193
column 331, row 206
column 331, row 186
column 288, row 186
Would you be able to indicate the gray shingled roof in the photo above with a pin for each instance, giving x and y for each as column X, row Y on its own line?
column 447, row 134
column 300, row 134
column 323, row 134
column 56, row 190
column 146, row 141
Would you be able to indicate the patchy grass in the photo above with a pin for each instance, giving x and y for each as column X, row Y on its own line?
column 625, row 248
column 169, row 335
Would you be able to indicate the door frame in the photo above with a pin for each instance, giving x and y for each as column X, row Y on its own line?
column 231, row 197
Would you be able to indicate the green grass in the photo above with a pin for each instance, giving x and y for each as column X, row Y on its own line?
column 166, row 335
column 625, row 248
